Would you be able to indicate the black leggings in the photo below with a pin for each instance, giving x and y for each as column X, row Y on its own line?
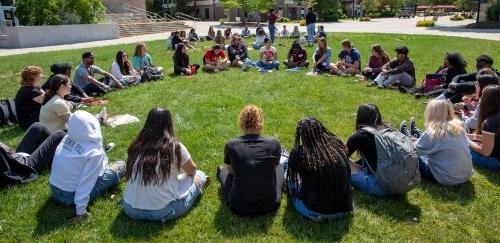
column 41, row 145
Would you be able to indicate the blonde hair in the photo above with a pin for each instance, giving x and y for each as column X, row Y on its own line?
column 251, row 117
column 28, row 75
column 440, row 118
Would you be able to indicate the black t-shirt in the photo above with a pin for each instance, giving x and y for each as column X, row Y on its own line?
column 254, row 159
column 28, row 110
column 492, row 125
column 363, row 142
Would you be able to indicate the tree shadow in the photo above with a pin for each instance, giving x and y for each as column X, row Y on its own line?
column 461, row 194
column 231, row 225
column 492, row 176
column 393, row 207
column 306, row 230
column 51, row 217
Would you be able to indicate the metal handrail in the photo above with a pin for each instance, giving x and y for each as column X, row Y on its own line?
column 153, row 18
column 183, row 16
column 130, row 24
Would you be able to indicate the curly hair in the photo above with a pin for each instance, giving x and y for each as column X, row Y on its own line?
column 29, row 74
column 251, row 117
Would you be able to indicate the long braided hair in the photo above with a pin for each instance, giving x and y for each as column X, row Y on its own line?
column 319, row 161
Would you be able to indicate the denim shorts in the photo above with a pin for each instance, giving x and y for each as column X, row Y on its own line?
column 366, row 183
column 315, row 216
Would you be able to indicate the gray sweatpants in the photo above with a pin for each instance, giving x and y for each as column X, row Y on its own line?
column 404, row 79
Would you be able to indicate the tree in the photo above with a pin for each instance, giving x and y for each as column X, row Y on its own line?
column 370, row 6
column 154, row 6
column 248, row 5
column 307, row 3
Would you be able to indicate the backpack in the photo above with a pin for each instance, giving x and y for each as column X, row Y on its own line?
column 8, row 115
column 397, row 162
column 152, row 73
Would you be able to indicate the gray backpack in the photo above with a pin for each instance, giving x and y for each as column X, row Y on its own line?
column 397, row 161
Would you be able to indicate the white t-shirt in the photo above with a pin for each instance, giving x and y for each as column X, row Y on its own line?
column 115, row 70
column 155, row 197
column 268, row 54
column 51, row 112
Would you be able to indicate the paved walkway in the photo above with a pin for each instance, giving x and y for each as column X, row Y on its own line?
column 444, row 27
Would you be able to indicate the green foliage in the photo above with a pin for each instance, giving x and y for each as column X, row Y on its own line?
column 425, row 23
column 333, row 15
column 154, row 6
column 457, row 17
column 6, row 2
column 283, row 20
column 248, row 5
column 464, row 5
column 493, row 12
column 56, row 12
column 370, row 6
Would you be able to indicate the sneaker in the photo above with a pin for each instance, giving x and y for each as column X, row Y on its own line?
column 403, row 128
column 419, row 95
column 381, row 87
column 344, row 75
column 359, row 77
column 109, row 147
column 414, row 131
column 371, row 84
column 403, row 90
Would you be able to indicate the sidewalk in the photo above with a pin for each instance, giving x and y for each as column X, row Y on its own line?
column 444, row 27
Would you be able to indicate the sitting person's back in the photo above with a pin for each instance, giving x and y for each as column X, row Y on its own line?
column 250, row 179
column 29, row 97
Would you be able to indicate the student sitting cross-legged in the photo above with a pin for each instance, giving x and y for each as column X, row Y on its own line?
column 181, row 62
column 163, row 182
column 268, row 56
column 238, row 53
column 399, row 71
column 85, row 77
column 253, row 174
column 349, row 62
column 377, row 60
column 318, row 175
column 123, row 71
column 443, row 148
column 297, row 56
column 215, row 59
column 322, row 56
column 80, row 171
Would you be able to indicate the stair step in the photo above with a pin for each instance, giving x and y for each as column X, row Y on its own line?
column 143, row 26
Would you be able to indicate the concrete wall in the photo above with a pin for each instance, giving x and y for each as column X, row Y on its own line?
column 34, row 36
column 116, row 6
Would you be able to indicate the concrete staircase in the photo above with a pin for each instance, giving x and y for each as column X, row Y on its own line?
column 133, row 24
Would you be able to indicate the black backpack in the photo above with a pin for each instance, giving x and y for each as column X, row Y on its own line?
column 152, row 73
column 8, row 115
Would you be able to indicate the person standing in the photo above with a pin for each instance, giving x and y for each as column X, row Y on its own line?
column 271, row 18
column 311, row 26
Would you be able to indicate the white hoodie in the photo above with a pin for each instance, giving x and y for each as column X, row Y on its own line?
column 79, row 159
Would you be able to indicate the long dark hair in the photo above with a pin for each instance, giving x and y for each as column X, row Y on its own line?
column 456, row 61
column 181, row 58
column 369, row 115
column 295, row 46
column 54, row 84
column 484, row 81
column 320, row 158
column 124, row 67
column 490, row 104
column 155, row 146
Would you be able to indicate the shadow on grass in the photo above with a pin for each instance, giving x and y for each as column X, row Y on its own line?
column 393, row 207
column 306, row 230
column 492, row 176
column 461, row 194
column 51, row 217
column 231, row 225
column 12, row 132
column 124, row 227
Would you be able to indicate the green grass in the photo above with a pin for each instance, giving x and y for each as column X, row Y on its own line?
column 205, row 110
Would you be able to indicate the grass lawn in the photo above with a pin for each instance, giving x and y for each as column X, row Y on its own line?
column 205, row 110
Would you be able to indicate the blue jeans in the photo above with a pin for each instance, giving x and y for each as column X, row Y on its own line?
column 274, row 65
column 484, row 162
column 425, row 171
column 272, row 31
column 314, row 216
column 310, row 33
column 404, row 79
column 249, row 62
column 173, row 209
column 103, row 183
column 257, row 46
column 367, row 183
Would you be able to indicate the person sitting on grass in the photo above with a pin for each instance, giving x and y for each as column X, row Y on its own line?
column 181, row 62
column 77, row 94
column 453, row 65
column 123, row 70
column 142, row 59
column 163, row 182
column 399, row 71
column 228, row 33
column 80, row 171
column 318, row 175
column 295, row 33
column 211, row 33
column 284, row 33
column 259, row 39
column 268, row 56
column 368, row 115
column 215, row 60
column 349, row 62
column 33, row 155
column 297, row 56
column 320, row 34
column 55, row 110
column 473, row 104
column 377, row 60
column 253, row 175
column 193, row 37
column 464, row 84
column 84, row 77
column 176, row 40
column 443, row 148
column 485, row 142
column 245, row 33
column 322, row 56
column 29, row 97
column 219, row 39
column 238, row 53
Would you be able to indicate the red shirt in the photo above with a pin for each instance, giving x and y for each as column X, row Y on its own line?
column 272, row 18
column 210, row 55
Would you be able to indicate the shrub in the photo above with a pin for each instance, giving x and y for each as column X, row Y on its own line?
column 283, row 20
column 302, row 22
column 364, row 18
column 457, row 17
column 468, row 16
column 222, row 20
column 425, row 23
column 387, row 14
column 333, row 15
column 493, row 12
